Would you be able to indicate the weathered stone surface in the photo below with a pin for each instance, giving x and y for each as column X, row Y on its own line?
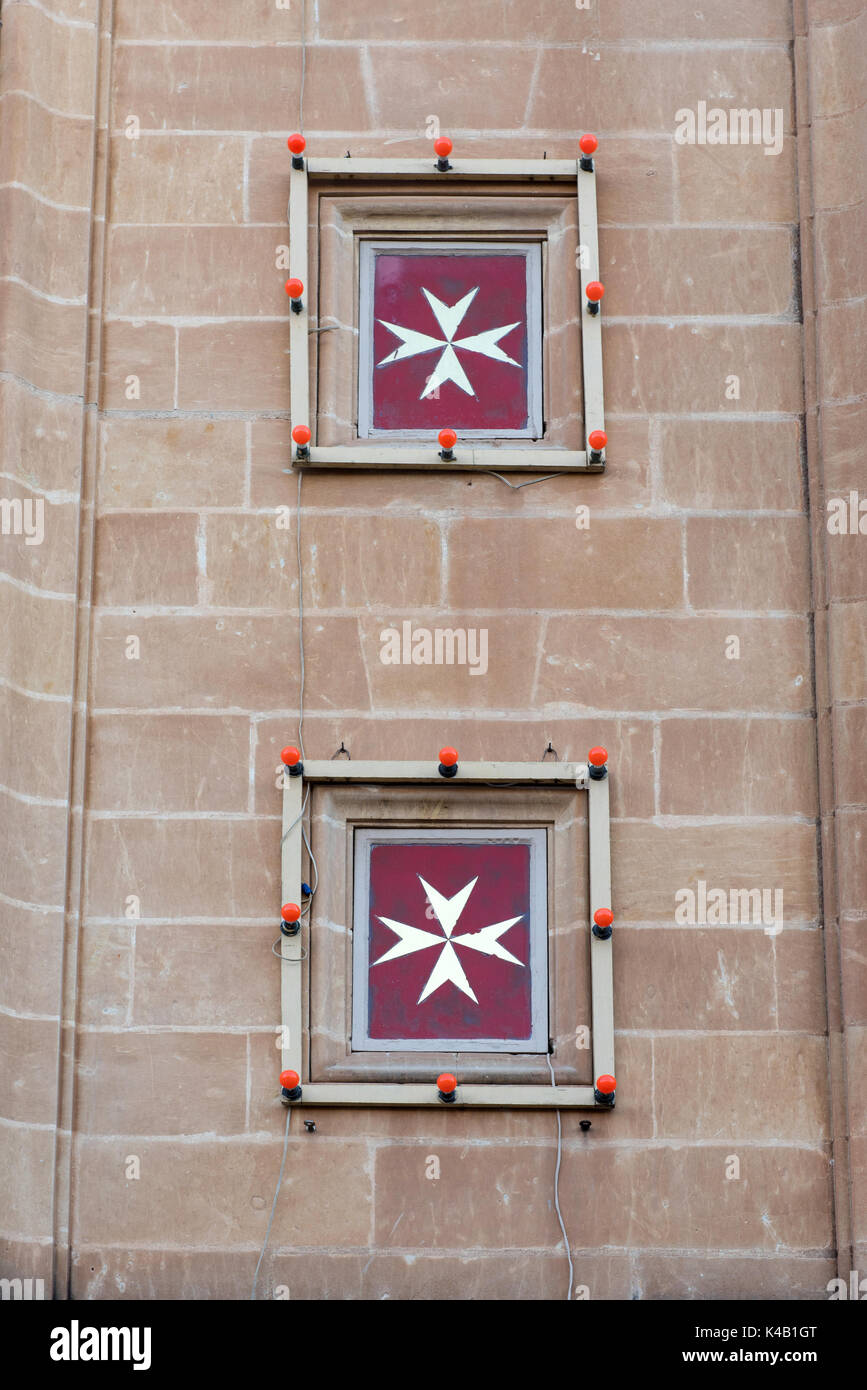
column 154, row 245
column 219, row 1194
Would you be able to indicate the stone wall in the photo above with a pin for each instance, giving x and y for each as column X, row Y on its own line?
column 145, row 399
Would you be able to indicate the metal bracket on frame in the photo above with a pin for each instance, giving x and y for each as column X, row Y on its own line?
column 532, row 458
column 547, row 774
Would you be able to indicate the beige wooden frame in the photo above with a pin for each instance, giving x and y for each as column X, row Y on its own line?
column 293, row 948
column 533, row 456
column 336, row 814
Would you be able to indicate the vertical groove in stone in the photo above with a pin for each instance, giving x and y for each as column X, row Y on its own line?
column 814, row 50
column 64, row 1185
column 44, row 355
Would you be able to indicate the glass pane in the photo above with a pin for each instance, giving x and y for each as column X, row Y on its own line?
column 450, row 334
column 451, row 940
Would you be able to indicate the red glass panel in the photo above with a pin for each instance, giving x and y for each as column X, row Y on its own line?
column 450, row 941
column 450, row 342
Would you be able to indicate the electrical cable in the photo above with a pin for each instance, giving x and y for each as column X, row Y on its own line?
column 557, row 1185
column 312, row 857
column 290, row 828
column 305, row 910
column 529, row 483
column 300, row 695
column 304, row 836
column 274, row 1203
column 289, row 960
column 303, row 64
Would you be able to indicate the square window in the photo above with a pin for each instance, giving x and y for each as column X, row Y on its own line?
column 450, row 930
column 445, row 300
column 450, row 944
column 450, row 330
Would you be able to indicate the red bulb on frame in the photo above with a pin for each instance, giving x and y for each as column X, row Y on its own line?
column 606, row 1084
column 294, row 288
column 301, row 435
column 597, row 439
column 588, row 144
column 447, row 439
column 443, row 146
column 289, row 1080
column 603, row 916
column 447, row 1083
column 595, row 291
column 291, row 756
column 290, row 912
column 598, row 757
column 448, row 756
column 297, row 144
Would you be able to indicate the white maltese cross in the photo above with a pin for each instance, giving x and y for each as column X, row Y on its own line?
column 448, row 368
column 448, row 966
